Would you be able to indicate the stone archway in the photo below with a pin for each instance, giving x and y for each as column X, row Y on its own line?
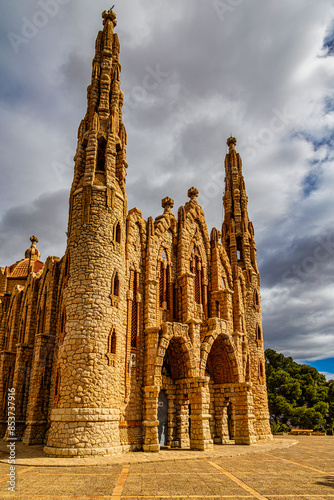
column 177, row 369
column 231, row 402
column 174, row 369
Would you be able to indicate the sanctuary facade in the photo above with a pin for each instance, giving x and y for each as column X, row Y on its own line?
column 146, row 333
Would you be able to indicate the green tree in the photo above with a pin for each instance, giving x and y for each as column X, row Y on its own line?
column 298, row 395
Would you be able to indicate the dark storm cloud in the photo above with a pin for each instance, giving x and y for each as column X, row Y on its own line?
column 308, row 260
column 45, row 217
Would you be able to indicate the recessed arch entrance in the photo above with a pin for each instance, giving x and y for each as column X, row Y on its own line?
column 231, row 399
column 220, row 363
column 175, row 372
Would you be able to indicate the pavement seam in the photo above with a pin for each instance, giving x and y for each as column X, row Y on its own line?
column 301, row 465
column 240, row 483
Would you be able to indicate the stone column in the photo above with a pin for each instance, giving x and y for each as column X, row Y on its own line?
column 150, row 424
column 200, row 437
column 243, row 414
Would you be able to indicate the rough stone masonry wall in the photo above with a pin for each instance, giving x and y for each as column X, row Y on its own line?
column 89, row 387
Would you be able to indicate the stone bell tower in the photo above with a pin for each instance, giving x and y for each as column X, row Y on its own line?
column 85, row 415
column 239, row 242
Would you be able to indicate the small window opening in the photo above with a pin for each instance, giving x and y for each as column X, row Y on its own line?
column 115, row 287
column 118, row 233
column 112, row 342
column 239, row 248
column 134, row 312
column 101, row 153
column 256, row 299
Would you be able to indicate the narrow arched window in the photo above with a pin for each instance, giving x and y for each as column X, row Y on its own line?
column 258, row 333
column 62, row 327
column 118, row 233
column 261, row 372
column 112, row 342
column 256, row 299
column 101, row 154
column 239, row 248
column 134, row 312
column 42, row 315
column 164, row 282
column 161, row 284
column 196, row 269
column 115, row 285
column 24, row 325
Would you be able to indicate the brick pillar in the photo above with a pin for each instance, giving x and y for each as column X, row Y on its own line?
column 200, row 436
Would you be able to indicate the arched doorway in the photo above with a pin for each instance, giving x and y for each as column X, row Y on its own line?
column 222, row 369
column 162, row 418
column 175, row 372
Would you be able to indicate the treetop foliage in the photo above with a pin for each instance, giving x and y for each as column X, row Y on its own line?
column 298, row 395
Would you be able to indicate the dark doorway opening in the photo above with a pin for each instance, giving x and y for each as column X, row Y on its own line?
column 163, row 418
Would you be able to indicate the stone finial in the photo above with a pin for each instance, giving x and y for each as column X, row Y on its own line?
column 32, row 252
column 167, row 204
column 193, row 193
column 109, row 14
column 231, row 142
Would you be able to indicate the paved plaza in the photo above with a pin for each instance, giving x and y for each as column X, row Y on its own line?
column 287, row 468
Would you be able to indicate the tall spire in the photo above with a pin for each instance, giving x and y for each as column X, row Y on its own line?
column 237, row 230
column 101, row 153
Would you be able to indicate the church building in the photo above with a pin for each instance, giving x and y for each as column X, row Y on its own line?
column 146, row 333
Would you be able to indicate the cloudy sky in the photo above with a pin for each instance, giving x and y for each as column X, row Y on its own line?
column 193, row 72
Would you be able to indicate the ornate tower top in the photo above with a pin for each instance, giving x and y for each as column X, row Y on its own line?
column 32, row 253
column 235, row 198
column 237, row 230
column 100, row 158
column 109, row 14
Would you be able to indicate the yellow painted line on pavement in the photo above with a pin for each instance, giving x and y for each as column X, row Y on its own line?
column 16, row 473
column 240, row 483
column 301, row 465
column 120, row 483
